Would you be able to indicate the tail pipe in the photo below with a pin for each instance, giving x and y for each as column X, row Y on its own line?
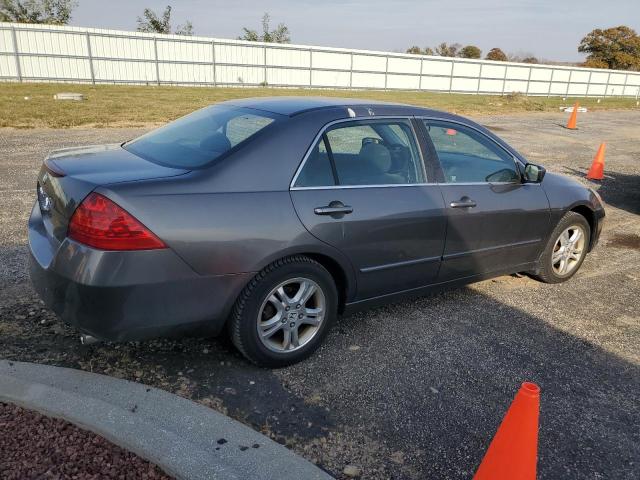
column 88, row 339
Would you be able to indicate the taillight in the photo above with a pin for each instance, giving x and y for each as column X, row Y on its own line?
column 101, row 223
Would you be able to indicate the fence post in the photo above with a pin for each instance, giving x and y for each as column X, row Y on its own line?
column 311, row 67
column 351, row 72
column 528, row 81
column 479, row 79
column 93, row 77
column 213, row 61
column 566, row 91
column 264, row 59
column 453, row 63
column 386, row 71
column 553, row 71
column 14, row 37
column 155, row 51
column 421, row 70
column 624, row 87
column 606, row 88
column 504, row 79
column 588, row 84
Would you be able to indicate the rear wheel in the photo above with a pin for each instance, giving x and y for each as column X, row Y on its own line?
column 566, row 249
column 285, row 312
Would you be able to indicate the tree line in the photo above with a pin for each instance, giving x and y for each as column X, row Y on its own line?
column 616, row 47
column 470, row 51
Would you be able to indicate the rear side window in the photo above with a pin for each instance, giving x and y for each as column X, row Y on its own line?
column 201, row 137
column 317, row 171
column 467, row 156
column 376, row 152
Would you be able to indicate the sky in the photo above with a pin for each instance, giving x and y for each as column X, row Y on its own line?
column 548, row 29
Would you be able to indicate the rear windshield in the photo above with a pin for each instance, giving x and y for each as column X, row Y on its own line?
column 200, row 137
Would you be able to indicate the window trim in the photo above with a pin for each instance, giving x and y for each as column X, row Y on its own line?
column 514, row 158
column 322, row 134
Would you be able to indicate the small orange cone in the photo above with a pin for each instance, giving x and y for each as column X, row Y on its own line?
column 596, row 172
column 513, row 452
column 573, row 119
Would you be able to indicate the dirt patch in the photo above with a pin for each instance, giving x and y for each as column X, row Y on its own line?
column 34, row 446
column 495, row 128
column 625, row 240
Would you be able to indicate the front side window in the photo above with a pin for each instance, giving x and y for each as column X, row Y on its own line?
column 467, row 156
column 376, row 152
column 200, row 137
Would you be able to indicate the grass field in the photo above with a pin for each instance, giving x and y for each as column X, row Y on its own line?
column 31, row 105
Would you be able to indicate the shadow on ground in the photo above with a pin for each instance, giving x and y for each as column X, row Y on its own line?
column 420, row 398
column 621, row 190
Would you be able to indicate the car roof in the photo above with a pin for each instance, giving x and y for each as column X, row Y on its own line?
column 291, row 106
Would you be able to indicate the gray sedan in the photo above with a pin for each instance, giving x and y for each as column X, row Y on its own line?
column 273, row 216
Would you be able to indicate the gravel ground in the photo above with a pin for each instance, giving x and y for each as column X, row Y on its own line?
column 33, row 446
column 415, row 389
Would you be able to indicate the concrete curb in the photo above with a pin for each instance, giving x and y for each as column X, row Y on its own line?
column 185, row 439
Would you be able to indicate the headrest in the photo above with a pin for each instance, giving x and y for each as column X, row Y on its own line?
column 376, row 155
column 216, row 142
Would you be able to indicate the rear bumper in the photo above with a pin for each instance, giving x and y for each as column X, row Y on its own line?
column 127, row 295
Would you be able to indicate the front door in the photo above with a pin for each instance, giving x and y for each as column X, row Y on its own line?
column 494, row 220
column 362, row 189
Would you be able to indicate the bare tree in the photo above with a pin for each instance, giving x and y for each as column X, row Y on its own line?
column 278, row 35
column 54, row 12
column 186, row 29
column 419, row 51
column 445, row 50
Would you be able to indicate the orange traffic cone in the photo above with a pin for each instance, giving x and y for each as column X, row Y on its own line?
column 596, row 172
column 513, row 452
column 573, row 119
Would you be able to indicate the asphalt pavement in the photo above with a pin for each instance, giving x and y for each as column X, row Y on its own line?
column 414, row 390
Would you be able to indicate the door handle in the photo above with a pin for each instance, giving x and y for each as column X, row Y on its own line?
column 464, row 202
column 334, row 208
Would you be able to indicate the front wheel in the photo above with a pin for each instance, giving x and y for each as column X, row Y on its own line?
column 566, row 249
column 284, row 313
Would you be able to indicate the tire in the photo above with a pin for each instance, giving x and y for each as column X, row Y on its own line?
column 271, row 297
column 551, row 270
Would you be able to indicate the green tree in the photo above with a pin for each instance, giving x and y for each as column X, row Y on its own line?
column 54, row 12
column 595, row 63
column 418, row 51
column 153, row 23
column 616, row 47
column 278, row 35
column 445, row 50
column 470, row 51
column 497, row 55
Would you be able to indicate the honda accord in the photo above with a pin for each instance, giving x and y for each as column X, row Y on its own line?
column 270, row 217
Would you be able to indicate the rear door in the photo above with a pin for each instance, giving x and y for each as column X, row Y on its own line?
column 362, row 188
column 494, row 220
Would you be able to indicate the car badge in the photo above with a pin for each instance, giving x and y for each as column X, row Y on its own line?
column 45, row 201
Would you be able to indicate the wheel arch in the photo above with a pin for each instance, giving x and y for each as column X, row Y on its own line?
column 587, row 212
column 336, row 264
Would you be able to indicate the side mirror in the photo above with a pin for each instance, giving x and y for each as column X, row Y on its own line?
column 533, row 173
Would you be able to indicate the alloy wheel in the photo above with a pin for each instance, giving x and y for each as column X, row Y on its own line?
column 568, row 250
column 291, row 315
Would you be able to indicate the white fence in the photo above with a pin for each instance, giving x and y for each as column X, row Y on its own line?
column 48, row 53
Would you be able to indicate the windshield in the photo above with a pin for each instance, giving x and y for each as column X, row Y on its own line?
column 200, row 137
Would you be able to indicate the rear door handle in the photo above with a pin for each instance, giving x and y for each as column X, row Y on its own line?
column 464, row 202
column 334, row 208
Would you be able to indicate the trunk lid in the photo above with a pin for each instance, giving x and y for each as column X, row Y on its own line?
column 69, row 175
